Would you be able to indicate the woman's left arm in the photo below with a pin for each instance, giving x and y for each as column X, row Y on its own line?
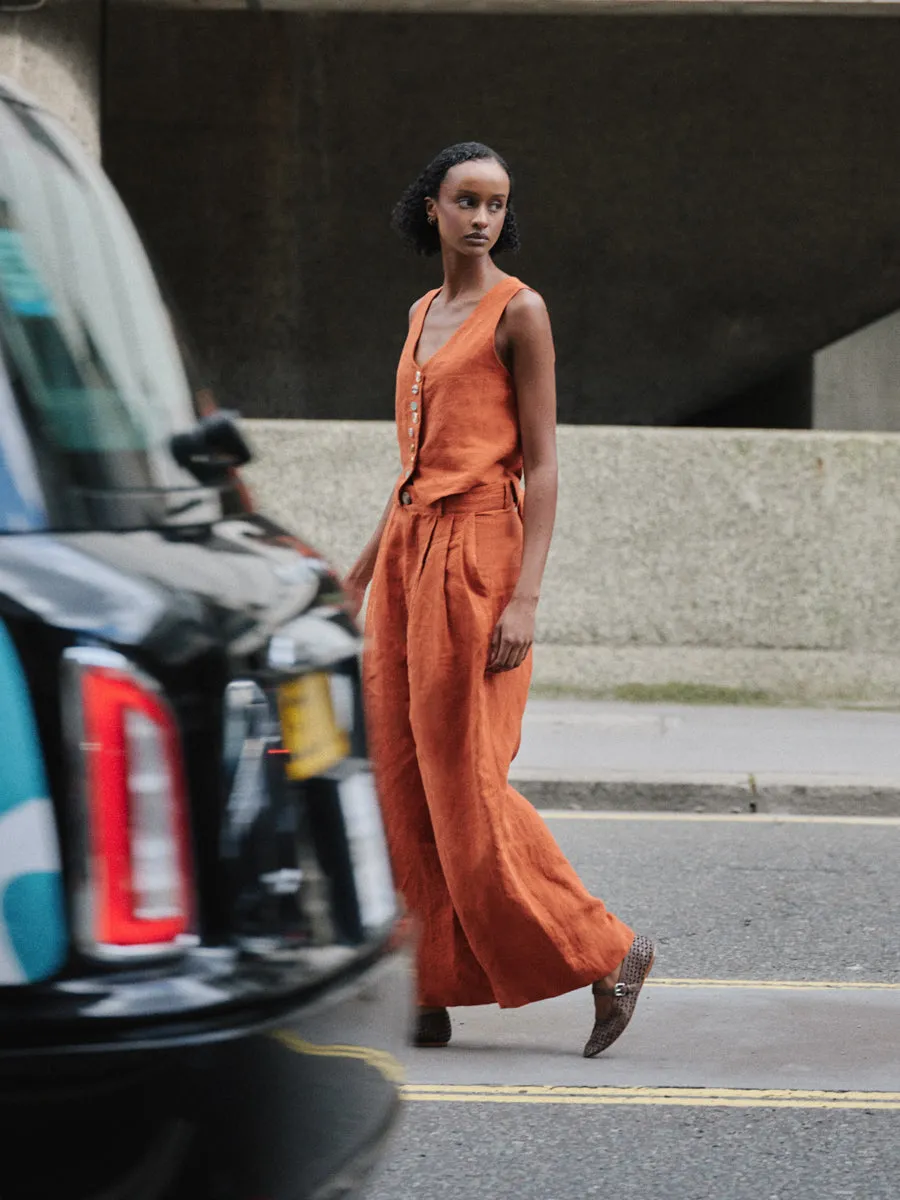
column 531, row 354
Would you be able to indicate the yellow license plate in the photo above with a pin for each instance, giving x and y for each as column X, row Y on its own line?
column 312, row 737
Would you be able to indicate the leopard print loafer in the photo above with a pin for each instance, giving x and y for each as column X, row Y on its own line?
column 635, row 968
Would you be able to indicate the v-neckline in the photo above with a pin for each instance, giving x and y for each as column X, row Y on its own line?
column 421, row 366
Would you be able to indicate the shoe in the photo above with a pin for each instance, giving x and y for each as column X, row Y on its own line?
column 635, row 969
column 432, row 1028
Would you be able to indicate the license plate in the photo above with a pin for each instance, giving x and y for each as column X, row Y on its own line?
column 312, row 737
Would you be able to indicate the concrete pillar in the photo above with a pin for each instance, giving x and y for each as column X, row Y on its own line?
column 54, row 53
column 856, row 381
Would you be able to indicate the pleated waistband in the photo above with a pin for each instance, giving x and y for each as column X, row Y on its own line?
column 485, row 497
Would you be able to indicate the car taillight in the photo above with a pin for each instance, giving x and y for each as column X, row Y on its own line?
column 135, row 893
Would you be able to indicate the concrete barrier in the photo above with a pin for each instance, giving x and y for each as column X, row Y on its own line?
column 761, row 562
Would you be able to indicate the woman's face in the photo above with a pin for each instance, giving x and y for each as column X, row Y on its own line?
column 471, row 206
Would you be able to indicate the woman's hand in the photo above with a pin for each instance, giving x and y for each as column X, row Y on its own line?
column 354, row 584
column 513, row 635
column 360, row 574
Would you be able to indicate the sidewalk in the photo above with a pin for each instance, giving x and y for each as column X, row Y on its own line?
column 588, row 754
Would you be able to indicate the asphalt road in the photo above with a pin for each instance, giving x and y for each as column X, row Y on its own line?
column 763, row 1062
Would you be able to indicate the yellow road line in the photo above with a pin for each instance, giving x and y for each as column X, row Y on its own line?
column 545, row 1089
column 559, row 814
column 381, row 1060
column 812, row 985
column 642, row 1096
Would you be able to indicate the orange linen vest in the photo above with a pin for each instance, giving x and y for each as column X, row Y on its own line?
column 457, row 420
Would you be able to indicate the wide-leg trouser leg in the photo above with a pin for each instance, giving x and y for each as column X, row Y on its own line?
column 443, row 948
column 521, row 925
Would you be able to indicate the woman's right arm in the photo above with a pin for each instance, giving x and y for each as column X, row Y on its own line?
column 359, row 576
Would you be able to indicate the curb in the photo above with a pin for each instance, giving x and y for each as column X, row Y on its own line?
column 721, row 793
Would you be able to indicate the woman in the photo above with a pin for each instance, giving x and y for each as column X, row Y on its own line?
column 456, row 565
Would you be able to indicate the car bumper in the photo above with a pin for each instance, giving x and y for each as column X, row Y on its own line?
column 295, row 1108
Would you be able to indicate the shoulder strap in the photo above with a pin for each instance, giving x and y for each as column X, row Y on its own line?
column 495, row 302
column 415, row 325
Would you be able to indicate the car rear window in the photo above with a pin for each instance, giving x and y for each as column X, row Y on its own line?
column 92, row 384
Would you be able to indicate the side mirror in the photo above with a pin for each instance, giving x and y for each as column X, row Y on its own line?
column 213, row 448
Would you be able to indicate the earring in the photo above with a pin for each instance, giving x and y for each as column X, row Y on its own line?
column 432, row 219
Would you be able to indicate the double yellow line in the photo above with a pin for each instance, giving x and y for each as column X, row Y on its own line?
column 781, row 985
column 381, row 1060
column 461, row 1093
column 704, row 1097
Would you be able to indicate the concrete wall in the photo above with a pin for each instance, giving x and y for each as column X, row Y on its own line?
column 755, row 560
column 209, row 161
column 55, row 54
column 704, row 201
column 857, row 380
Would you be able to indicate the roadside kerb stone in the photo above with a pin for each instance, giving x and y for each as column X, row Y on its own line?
column 736, row 792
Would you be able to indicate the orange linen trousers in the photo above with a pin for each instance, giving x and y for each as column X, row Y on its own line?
column 503, row 916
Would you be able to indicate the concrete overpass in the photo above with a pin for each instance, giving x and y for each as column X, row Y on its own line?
column 709, row 201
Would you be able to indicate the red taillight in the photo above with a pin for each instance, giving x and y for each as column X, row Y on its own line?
column 137, row 888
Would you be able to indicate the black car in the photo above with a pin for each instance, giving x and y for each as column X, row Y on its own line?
column 203, row 978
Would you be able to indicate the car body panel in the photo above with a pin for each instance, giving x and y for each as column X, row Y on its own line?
column 33, row 932
column 254, row 1055
column 296, row 1106
column 199, row 615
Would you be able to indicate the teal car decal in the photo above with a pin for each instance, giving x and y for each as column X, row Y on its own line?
column 33, row 934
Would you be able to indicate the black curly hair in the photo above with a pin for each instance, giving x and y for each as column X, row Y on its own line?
column 410, row 219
